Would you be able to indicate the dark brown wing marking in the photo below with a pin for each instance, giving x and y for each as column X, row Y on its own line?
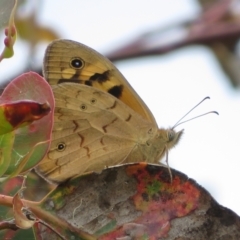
column 128, row 118
column 113, row 106
column 88, row 83
column 97, row 77
column 62, row 80
column 100, row 77
column 116, row 91
column 87, row 148
column 82, row 139
column 76, row 126
column 105, row 126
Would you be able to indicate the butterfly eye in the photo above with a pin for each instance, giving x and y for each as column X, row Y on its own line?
column 93, row 100
column 171, row 135
column 77, row 63
column 83, row 107
column 61, row 147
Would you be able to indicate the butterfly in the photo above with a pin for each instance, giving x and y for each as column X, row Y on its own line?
column 99, row 120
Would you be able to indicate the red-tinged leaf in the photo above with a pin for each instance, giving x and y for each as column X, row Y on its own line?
column 15, row 115
column 34, row 95
column 21, row 113
column 11, row 35
column 21, row 220
column 137, row 201
column 11, row 187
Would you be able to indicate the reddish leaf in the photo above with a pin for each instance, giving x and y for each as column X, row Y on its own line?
column 34, row 95
column 137, row 201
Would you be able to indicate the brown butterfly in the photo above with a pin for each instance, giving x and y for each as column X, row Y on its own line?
column 99, row 119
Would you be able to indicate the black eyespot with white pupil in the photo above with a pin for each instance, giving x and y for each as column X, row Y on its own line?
column 61, row 147
column 77, row 63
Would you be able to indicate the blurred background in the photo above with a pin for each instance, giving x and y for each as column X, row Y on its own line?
column 174, row 53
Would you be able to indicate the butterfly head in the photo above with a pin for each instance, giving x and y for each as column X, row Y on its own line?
column 161, row 142
column 173, row 137
column 169, row 137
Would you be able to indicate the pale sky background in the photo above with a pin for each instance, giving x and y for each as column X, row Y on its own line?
column 171, row 85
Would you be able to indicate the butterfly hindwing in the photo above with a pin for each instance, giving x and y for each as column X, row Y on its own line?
column 92, row 130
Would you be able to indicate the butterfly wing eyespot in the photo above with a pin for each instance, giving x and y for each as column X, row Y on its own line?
column 77, row 63
column 93, row 100
column 83, row 107
column 61, row 146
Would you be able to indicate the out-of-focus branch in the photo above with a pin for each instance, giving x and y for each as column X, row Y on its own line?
column 218, row 27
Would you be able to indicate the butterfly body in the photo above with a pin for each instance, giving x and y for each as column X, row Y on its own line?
column 94, row 127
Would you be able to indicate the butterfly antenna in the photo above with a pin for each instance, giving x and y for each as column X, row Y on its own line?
column 179, row 121
column 195, row 117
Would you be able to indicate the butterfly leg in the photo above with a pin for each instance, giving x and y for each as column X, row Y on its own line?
column 169, row 169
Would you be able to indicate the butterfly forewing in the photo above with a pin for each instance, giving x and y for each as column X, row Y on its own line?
column 69, row 61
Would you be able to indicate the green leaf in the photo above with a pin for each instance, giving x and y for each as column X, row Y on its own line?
column 11, row 35
column 6, row 143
